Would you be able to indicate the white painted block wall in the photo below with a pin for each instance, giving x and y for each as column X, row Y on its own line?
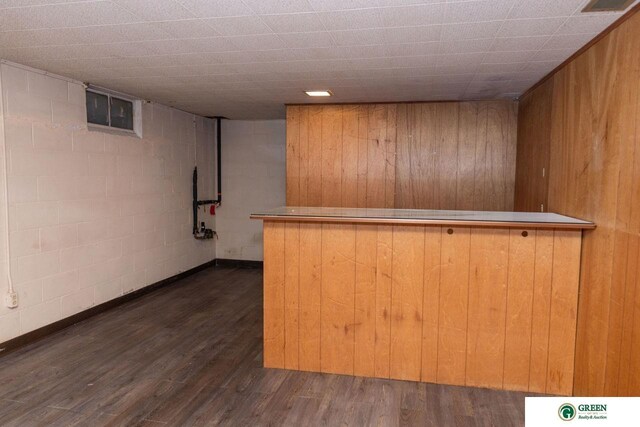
column 94, row 215
column 253, row 178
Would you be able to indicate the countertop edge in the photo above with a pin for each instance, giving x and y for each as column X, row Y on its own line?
column 407, row 221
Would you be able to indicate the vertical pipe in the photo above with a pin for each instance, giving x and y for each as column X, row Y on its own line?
column 219, row 157
column 195, row 200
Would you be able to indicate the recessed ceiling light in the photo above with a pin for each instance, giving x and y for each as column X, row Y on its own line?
column 318, row 92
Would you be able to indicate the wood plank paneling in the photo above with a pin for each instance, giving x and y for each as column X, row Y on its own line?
column 446, row 155
column 406, row 302
column 488, row 274
column 408, row 155
column 274, row 318
column 293, row 155
column 591, row 107
column 562, row 316
column 376, row 156
column 468, row 306
column 350, row 147
column 365, row 300
column 363, row 147
column 453, row 306
column 430, row 303
column 532, row 163
column 331, row 153
column 540, row 311
column 338, row 298
column 291, row 293
column 314, row 177
column 384, row 254
column 517, row 343
column 310, row 295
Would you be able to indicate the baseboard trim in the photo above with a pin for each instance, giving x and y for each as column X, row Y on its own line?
column 237, row 263
column 40, row 333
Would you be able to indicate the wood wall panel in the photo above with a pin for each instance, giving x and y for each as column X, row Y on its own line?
column 532, row 162
column 431, row 302
column 384, row 251
column 466, row 306
column 588, row 115
column 450, row 155
column 519, row 314
column 365, row 300
column 453, row 306
column 487, row 306
column 310, row 296
column 540, row 311
column 291, row 294
column 406, row 302
column 338, row 298
column 274, row 317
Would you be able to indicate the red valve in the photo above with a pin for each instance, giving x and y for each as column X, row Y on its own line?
column 212, row 210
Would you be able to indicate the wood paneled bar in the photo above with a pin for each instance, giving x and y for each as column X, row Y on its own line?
column 483, row 299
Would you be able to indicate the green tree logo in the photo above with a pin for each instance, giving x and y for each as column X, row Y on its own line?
column 567, row 412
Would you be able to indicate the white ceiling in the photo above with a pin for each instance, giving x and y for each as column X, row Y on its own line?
column 244, row 59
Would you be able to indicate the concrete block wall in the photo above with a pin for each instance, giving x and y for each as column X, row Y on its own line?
column 93, row 215
column 253, row 178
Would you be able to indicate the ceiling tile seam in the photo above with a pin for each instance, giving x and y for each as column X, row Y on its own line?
column 30, row 6
column 135, row 14
column 298, row 32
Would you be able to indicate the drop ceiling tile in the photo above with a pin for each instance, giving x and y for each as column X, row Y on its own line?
column 473, row 30
column 530, row 27
column 568, row 41
column 587, row 23
column 500, row 68
column 410, row 49
column 64, row 16
column 238, row 25
column 257, row 42
column 307, row 40
column 330, row 5
column 412, row 34
column 408, row 16
column 507, row 57
column 466, row 46
column 294, row 22
column 359, row 37
column 216, row 8
column 153, row 10
column 265, row 7
column 187, row 29
column 474, row 11
column 546, row 8
column 386, row 49
column 6, row 4
column 351, row 19
column 542, row 66
column 553, row 55
column 210, row 44
column 504, row 44
column 461, row 60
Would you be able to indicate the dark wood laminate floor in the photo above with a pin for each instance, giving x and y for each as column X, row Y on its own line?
column 190, row 354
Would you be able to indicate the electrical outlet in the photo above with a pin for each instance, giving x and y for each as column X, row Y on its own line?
column 11, row 300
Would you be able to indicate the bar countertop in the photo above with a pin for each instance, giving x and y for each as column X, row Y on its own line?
column 420, row 216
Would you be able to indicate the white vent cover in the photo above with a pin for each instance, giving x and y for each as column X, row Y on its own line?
column 607, row 5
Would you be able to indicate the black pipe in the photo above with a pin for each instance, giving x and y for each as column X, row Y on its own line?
column 217, row 201
column 195, row 200
column 219, row 157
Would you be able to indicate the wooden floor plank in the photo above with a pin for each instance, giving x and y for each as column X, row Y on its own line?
column 191, row 354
